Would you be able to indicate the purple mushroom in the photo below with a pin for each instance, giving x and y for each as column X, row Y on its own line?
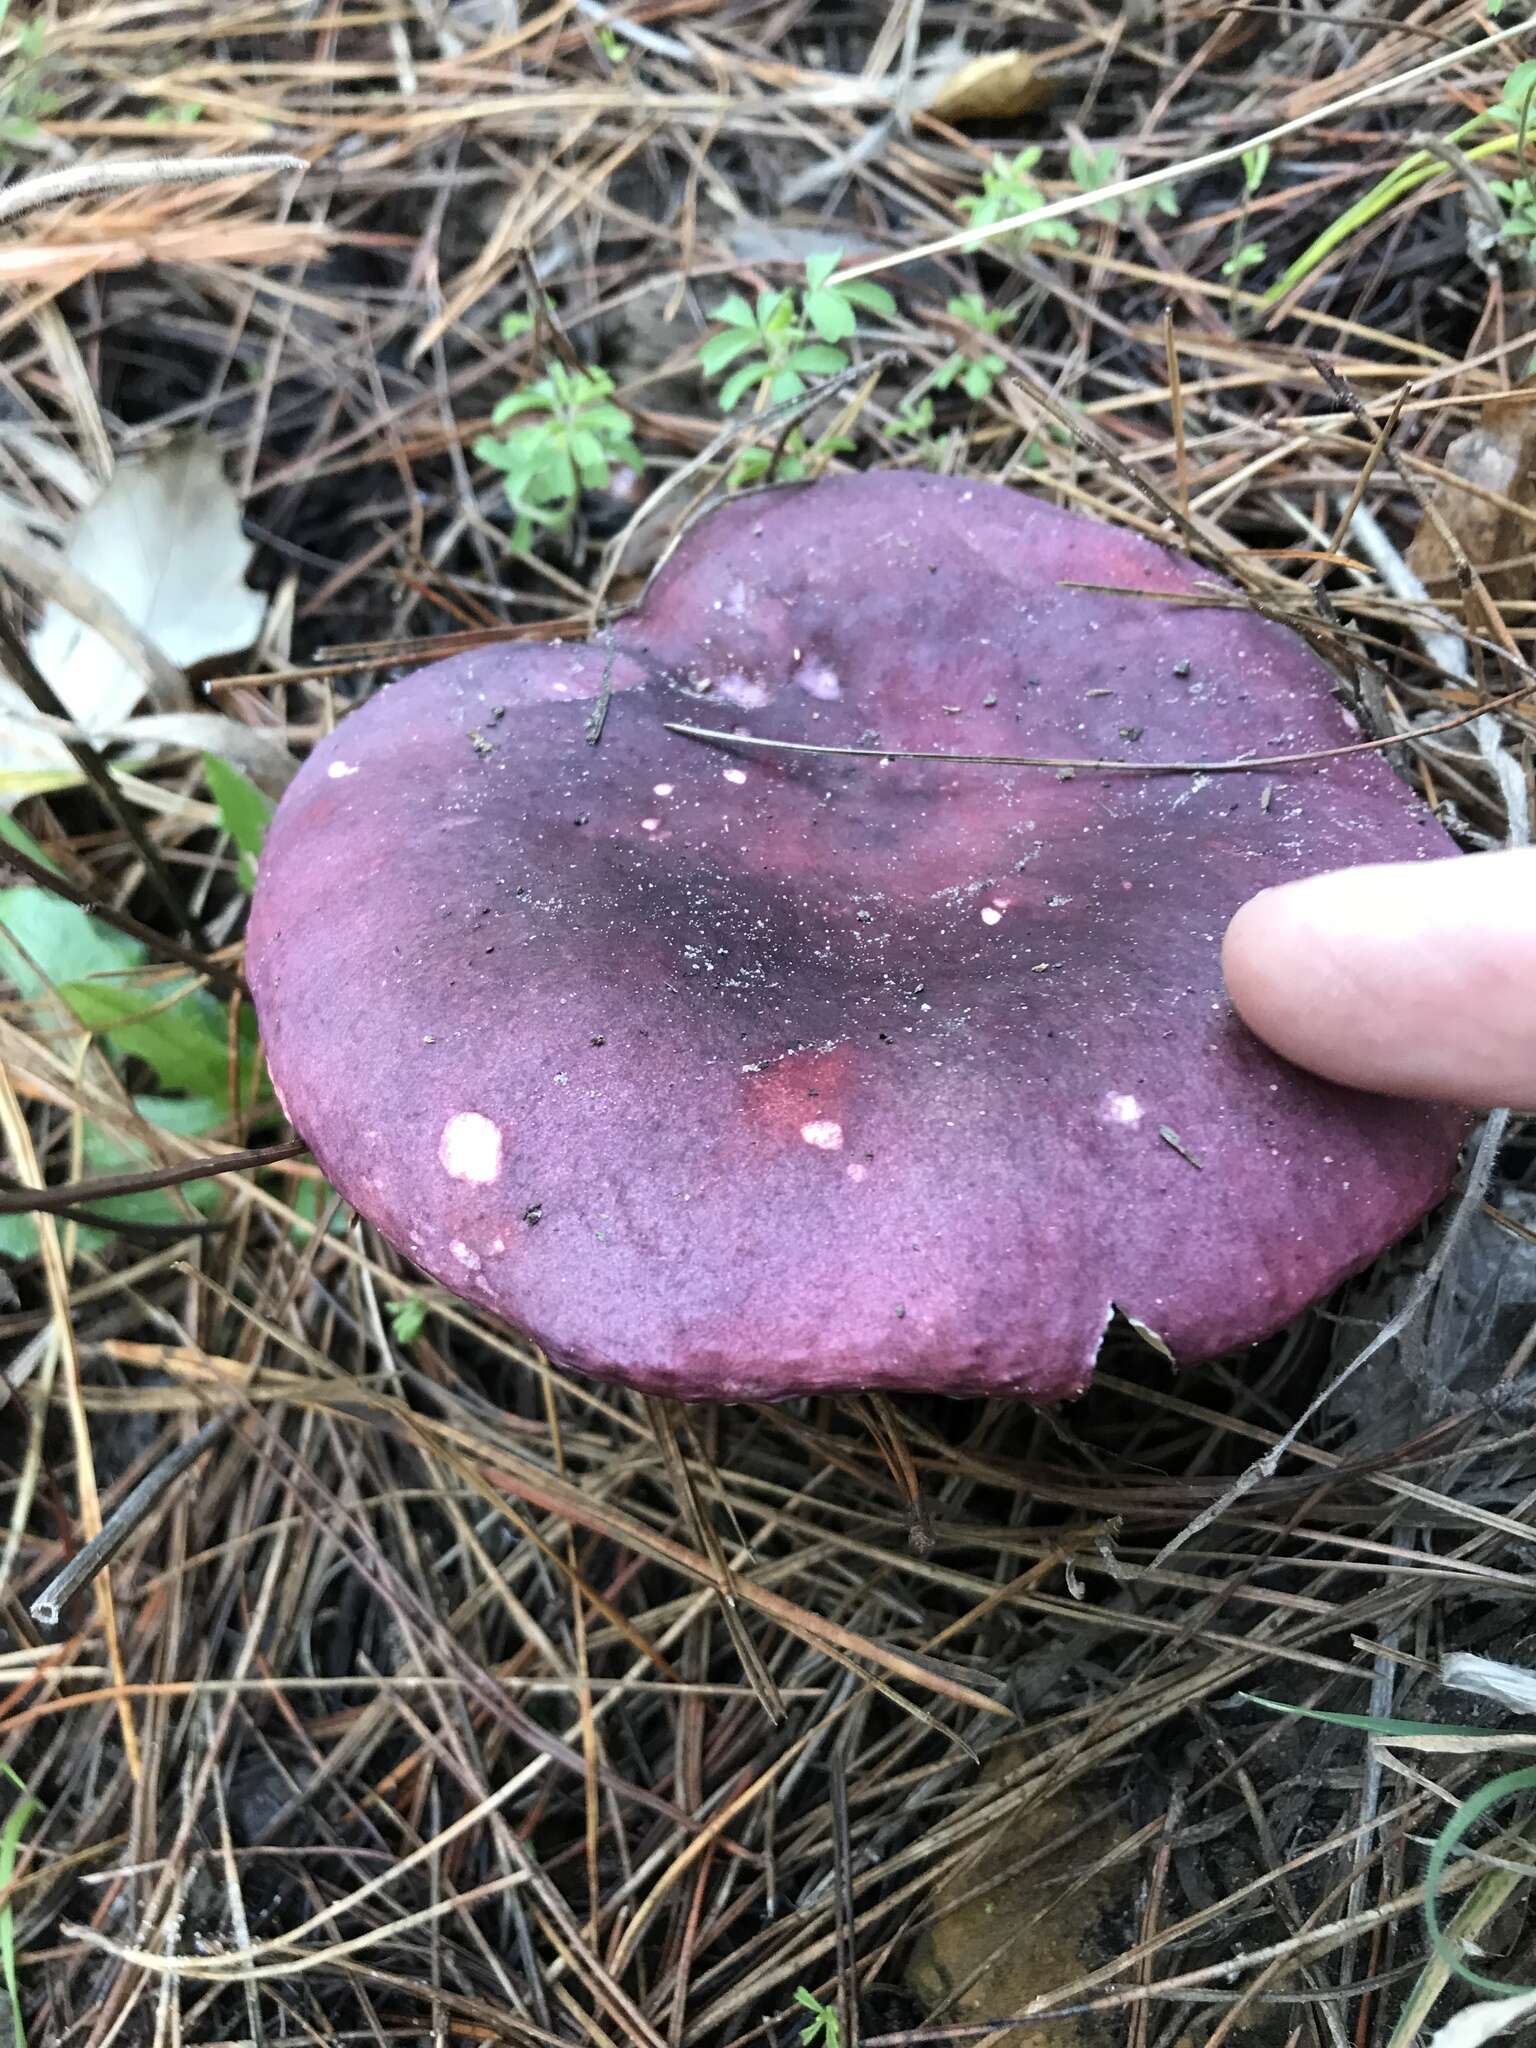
column 730, row 1073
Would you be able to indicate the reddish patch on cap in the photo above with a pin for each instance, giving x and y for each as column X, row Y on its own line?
column 798, row 1090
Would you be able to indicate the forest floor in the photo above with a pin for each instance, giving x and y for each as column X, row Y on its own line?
column 417, row 1692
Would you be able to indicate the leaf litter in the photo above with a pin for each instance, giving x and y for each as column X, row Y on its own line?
column 443, row 1726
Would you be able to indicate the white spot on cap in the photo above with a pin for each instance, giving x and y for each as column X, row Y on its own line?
column 650, row 824
column 466, row 1258
column 1121, row 1109
column 742, row 690
column 338, row 769
column 817, row 680
column 990, row 914
column 662, row 789
column 826, row 1136
column 470, row 1147
column 855, row 1172
column 735, row 774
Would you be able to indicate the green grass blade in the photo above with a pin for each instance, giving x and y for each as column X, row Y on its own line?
column 1368, row 1724
column 1450, row 1837
column 12, row 1828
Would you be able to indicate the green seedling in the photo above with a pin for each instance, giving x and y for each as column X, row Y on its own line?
column 1092, row 169
column 407, row 1319
column 564, row 435
column 913, row 421
column 513, row 326
column 1518, row 198
column 785, row 461
column 1036, row 452
column 25, row 99
column 973, row 368
column 1513, row 109
column 785, row 337
column 975, row 372
column 1246, row 256
column 824, row 2029
column 1008, row 188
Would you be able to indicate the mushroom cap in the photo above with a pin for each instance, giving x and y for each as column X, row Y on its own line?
column 733, row 1074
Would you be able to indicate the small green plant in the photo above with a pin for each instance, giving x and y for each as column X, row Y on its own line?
column 1007, row 188
column 1255, row 161
column 1514, row 101
column 407, row 1318
column 568, row 437
column 1517, row 195
column 180, row 114
column 1244, row 257
column 973, row 367
column 1518, row 198
column 974, row 373
column 25, row 99
column 788, row 335
column 913, row 421
column 1036, row 451
column 513, row 326
column 788, row 460
column 612, row 45
column 1092, row 169
column 824, row 2029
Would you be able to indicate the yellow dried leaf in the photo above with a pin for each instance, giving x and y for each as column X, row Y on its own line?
column 998, row 87
column 1025, row 1916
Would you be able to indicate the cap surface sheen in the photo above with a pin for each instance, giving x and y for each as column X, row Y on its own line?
column 734, row 1074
